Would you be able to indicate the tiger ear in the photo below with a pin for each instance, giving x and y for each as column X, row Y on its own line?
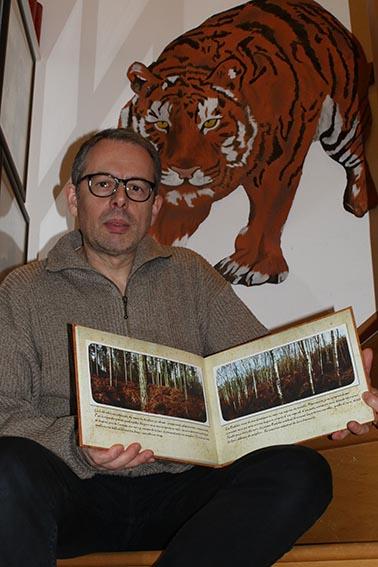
column 228, row 74
column 139, row 76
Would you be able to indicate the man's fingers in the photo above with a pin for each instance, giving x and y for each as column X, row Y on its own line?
column 119, row 458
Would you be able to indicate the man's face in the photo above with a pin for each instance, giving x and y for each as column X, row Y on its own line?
column 114, row 226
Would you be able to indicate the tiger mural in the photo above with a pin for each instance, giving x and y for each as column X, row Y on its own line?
column 238, row 101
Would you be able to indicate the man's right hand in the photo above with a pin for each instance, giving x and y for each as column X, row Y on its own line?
column 118, row 458
column 370, row 398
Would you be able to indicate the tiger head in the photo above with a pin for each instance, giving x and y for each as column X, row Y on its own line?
column 202, row 128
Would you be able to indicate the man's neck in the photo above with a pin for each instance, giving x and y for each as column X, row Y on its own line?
column 115, row 268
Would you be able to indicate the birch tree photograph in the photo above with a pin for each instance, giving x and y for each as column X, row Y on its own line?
column 145, row 383
column 292, row 372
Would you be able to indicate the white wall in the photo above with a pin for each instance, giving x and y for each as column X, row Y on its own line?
column 81, row 84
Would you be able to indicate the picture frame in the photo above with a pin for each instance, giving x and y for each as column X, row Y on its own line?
column 14, row 221
column 18, row 55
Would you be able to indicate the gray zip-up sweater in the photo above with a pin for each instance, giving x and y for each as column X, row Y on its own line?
column 173, row 297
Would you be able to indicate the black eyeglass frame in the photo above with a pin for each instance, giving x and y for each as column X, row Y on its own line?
column 118, row 180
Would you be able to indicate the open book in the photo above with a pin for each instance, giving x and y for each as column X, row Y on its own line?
column 287, row 387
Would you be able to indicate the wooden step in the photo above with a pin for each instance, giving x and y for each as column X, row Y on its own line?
column 320, row 555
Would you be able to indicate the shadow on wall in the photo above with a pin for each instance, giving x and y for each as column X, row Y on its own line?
column 11, row 255
column 12, row 252
column 58, row 192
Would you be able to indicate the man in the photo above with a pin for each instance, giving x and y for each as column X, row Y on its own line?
column 59, row 500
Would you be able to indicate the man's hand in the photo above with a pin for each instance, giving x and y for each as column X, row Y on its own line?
column 370, row 398
column 117, row 458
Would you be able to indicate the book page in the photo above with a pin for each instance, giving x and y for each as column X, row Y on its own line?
column 135, row 391
column 289, row 387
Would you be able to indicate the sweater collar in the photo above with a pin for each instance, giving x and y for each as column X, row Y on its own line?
column 149, row 250
column 65, row 253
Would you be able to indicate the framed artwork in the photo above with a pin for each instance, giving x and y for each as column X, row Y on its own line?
column 18, row 56
column 14, row 221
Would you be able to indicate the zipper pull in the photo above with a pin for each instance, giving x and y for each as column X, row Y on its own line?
column 124, row 299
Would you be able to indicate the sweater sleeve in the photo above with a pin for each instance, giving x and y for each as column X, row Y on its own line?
column 24, row 411
column 231, row 323
column 225, row 318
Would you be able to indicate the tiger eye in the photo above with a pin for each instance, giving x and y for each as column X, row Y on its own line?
column 163, row 124
column 210, row 123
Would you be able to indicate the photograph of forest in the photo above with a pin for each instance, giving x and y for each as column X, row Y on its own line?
column 150, row 384
column 285, row 374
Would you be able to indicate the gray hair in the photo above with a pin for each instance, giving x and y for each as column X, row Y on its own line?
column 125, row 135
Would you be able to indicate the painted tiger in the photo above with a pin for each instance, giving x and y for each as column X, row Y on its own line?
column 238, row 101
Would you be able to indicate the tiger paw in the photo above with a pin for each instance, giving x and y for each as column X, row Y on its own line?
column 237, row 273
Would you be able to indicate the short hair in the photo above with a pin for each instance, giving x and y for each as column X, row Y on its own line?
column 125, row 135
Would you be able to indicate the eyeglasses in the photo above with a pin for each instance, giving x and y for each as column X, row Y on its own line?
column 106, row 184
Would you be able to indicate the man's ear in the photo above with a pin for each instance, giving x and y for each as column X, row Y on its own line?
column 71, row 198
column 156, row 208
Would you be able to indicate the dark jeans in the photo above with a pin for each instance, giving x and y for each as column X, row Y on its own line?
column 248, row 513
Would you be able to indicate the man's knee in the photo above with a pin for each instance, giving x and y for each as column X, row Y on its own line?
column 33, row 479
column 310, row 472
column 27, row 466
column 16, row 451
column 304, row 476
column 298, row 474
column 19, row 459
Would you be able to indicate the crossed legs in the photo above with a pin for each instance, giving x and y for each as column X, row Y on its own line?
column 250, row 512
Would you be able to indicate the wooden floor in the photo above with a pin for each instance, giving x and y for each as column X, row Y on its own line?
column 323, row 555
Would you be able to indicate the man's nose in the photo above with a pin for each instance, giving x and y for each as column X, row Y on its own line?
column 119, row 198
